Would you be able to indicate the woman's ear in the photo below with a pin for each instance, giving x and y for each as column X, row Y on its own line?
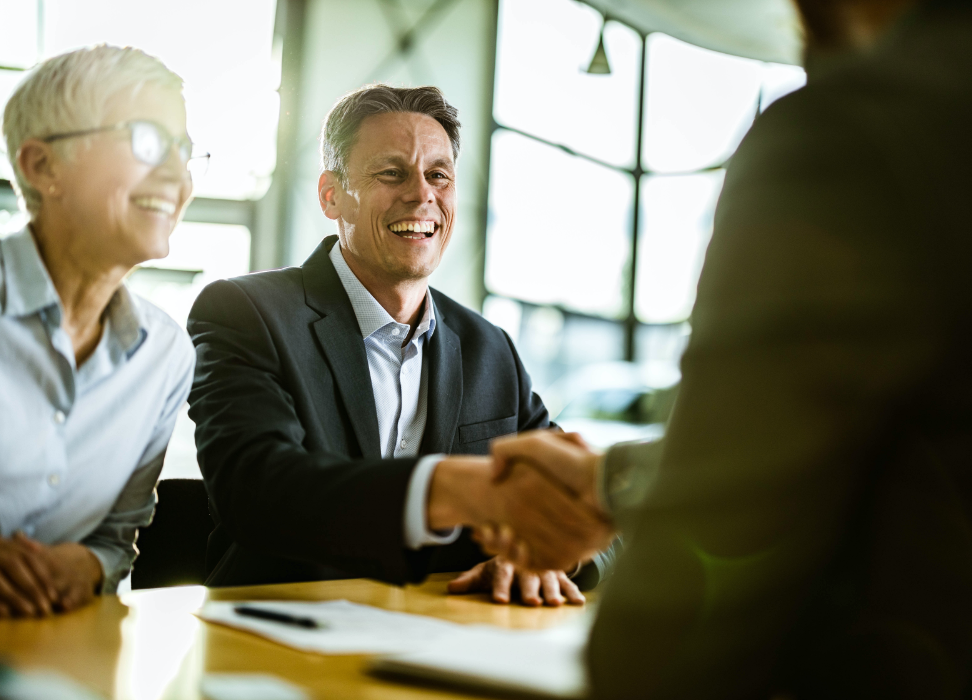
column 39, row 166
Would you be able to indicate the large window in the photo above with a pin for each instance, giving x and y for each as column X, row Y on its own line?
column 602, row 187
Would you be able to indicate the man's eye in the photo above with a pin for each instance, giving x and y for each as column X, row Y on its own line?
column 390, row 173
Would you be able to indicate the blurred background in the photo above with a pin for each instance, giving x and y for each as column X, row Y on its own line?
column 595, row 140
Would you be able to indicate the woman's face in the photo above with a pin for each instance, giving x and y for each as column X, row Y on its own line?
column 123, row 209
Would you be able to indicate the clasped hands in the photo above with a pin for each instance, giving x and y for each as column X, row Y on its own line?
column 37, row 580
column 533, row 504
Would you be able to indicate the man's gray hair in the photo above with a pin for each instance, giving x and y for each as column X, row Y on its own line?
column 71, row 92
column 343, row 121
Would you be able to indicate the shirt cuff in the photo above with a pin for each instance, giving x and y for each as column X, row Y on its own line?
column 417, row 533
column 114, row 567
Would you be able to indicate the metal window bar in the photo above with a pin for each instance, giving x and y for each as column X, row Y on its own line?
column 630, row 321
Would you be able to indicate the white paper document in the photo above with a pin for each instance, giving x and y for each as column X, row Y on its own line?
column 546, row 662
column 346, row 628
column 249, row 686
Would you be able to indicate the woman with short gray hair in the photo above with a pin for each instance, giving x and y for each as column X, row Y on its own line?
column 91, row 376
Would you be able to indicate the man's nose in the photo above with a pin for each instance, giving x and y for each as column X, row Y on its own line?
column 418, row 189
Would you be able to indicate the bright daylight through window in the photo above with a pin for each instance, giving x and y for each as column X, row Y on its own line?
column 563, row 240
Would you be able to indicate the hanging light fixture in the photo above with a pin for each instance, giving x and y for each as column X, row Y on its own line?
column 599, row 62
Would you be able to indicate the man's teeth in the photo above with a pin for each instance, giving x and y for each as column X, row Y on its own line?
column 156, row 204
column 421, row 227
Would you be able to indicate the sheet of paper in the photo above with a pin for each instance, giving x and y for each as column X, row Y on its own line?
column 347, row 628
column 249, row 686
column 547, row 663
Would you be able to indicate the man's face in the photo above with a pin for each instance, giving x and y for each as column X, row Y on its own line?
column 396, row 214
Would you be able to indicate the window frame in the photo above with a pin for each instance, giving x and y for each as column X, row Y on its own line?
column 630, row 320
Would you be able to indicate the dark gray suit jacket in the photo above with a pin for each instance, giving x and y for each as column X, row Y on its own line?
column 287, row 430
column 809, row 527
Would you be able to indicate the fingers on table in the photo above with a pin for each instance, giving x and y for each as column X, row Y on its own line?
column 503, row 572
column 32, row 555
column 570, row 589
column 529, row 583
column 468, row 581
column 20, row 587
column 551, row 585
column 14, row 598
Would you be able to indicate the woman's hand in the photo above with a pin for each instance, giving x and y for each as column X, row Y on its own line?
column 498, row 576
column 37, row 580
column 26, row 581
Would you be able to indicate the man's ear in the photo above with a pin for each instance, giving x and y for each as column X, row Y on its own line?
column 329, row 191
column 39, row 166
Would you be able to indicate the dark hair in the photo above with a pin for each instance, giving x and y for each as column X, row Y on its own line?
column 343, row 121
column 826, row 23
column 822, row 22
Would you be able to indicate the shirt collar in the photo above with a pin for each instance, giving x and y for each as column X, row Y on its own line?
column 29, row 290
column 28, row 287
column 126, row 322
column 371, row 315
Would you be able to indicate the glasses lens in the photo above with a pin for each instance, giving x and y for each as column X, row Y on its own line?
column 185, row 149
column 148, row 144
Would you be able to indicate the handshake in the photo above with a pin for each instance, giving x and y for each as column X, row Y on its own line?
column 533, row 502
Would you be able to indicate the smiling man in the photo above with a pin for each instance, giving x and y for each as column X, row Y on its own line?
column 328, row 395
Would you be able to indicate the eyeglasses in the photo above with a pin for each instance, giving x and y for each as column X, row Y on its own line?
column 151, row 144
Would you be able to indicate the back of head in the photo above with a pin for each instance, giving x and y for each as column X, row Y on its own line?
column 71, row 92
column 840, row 24
column 343, row 121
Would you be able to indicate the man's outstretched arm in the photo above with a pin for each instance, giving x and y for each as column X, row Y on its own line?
column 269, row 491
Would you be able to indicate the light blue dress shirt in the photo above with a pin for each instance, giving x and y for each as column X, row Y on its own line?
column 81, row 448
column 399, row 380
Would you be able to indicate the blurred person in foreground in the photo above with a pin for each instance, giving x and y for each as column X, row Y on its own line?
column 804, row 529
column 329, row 398
column 91, row 376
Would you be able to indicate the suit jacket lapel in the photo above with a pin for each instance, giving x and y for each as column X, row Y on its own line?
column 445, row 388
column 340, row 338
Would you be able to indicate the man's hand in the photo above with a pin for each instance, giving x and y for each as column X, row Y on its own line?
column 541, row 524
column 70, row 575
column 554, row 527
column 26, row 580
column 564, row 457
column 498, row 576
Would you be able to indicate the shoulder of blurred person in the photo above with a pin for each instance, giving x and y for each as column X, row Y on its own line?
column 806, row 530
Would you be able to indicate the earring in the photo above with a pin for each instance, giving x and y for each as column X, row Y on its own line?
column 51, row 189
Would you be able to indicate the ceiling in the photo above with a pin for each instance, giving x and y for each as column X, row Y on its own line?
column 768, row 30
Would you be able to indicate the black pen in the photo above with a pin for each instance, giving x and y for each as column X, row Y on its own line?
column 286, row 619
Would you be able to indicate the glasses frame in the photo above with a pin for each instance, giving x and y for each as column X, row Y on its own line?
column 167, row 138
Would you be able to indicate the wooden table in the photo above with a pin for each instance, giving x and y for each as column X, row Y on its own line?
column 149, row 646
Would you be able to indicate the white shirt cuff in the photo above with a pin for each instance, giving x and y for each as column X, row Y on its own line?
column 417, row 533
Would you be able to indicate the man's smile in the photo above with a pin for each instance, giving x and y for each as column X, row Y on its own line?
column 414, row 229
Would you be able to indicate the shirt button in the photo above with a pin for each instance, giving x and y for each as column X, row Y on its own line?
column 404, row 444
column 59, row 417
column 395, row 331
column 54, row 479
